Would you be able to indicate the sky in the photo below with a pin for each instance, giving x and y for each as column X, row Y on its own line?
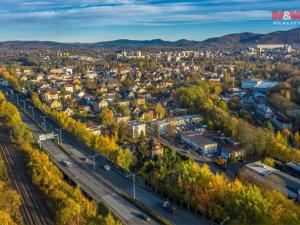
column 93, row 20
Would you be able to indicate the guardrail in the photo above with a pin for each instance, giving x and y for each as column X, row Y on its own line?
column 77, row 181
column 83, row 186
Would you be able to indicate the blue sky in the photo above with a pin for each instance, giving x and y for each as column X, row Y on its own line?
column 93, row 20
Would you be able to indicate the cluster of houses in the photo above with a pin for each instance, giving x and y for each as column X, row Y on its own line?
column 258, row 100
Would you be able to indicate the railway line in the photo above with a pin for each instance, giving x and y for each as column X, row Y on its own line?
column 33, row 207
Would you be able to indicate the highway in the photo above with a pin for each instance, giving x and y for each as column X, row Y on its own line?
column 107, row 185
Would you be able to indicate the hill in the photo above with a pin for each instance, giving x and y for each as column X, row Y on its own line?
column 291, row 37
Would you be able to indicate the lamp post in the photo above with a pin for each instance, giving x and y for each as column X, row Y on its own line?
column 94, row 156
column 32, row 111
column 17, row 99
column 133, row 182
column 24, row 104
column 60, row 138
column 223, row 222
column 44, row 121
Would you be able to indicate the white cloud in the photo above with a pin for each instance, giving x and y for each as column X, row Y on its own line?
column 128, row 12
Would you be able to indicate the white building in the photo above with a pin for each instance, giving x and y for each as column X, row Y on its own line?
column 135, row 129
column 250, row 83
column 200, row 143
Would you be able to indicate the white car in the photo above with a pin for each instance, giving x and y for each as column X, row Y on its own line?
column 107, row 167
column 67, row 163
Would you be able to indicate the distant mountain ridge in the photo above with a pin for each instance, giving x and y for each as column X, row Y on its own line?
column 291, row 37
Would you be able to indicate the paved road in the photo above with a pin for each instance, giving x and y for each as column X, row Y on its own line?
column 200, row 159
column 91, row 181
column 111, row 182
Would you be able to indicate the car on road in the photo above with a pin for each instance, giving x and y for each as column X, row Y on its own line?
column 107, row 167
column 67, row 163
column 169, row 207
column 145, row 217
column 84, row 159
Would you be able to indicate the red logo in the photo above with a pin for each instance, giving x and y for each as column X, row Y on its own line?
column 286, row 15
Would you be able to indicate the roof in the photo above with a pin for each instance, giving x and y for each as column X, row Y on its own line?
column 266, row 85
column 197, row 138
column 291, row 182
column 252, row 80
column 231, row 148
column 260, row 168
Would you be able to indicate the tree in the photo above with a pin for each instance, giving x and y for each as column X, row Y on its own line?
column 106, row 117
column 171, row 130
column 159, row 109
column 109, row 220
column 5, row 219
column 143, row 147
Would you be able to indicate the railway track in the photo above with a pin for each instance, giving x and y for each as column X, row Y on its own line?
column 33, row 207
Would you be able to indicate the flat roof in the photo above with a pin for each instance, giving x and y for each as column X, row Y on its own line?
column 291, row 182
column 197, row 138
column 266, row 84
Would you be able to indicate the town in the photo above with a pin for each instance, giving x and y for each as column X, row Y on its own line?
column 143, row 110
column 149, row 112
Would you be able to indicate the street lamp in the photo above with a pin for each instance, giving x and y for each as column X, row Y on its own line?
column 32, row 111
column 227, row 218
column 133, row 181
column 60, row 138
column 24, row 106
column 94, row 156
column 44, row 121
column 17, row 99
column 6, row 86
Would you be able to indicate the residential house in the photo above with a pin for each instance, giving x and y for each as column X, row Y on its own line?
column 264, row 111
column 122, row 119
column 99, row 105
column 231, row 151
column 140, row 101
column 68, row 111
column 55, row 104
column 123, row 103
column 102, row 89
column 93, row 127
column 68, row 87
column 281, row 121
column 50, row 94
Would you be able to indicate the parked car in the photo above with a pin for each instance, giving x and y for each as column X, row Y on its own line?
column 169, row 207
